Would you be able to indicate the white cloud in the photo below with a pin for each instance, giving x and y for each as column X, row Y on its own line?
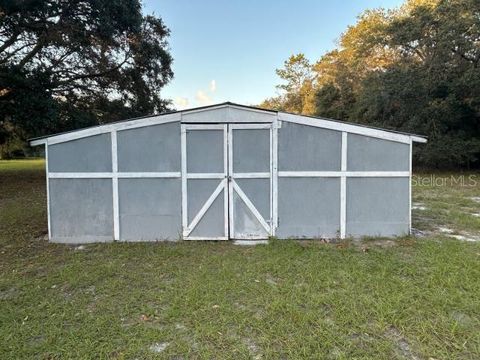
column 203, row 98
column 181, row 102
column 213, row 86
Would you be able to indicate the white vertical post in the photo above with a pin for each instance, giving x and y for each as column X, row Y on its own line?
column 183, row 140
column 343, row 187
column 116, row 213
column 410, row 191
column 48, row 192
column 225, row 171
column 274, row 146
column 230, row 184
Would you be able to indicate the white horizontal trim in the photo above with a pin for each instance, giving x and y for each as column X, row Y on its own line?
column 250, row 241
column 339, row 126
column 343, row 173
column 237, row 126
column 377, row 173
column 129, row 175
column 252, row 175
column 197, row 238
column 107, row 128
column 203, row 126
column 205, row 175
column 79, row 175
column 108, row 175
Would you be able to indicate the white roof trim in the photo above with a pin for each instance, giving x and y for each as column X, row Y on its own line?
column 418, row 139
column 38, row 142
column 102, row 129
column 350, row 128
column 166, row 118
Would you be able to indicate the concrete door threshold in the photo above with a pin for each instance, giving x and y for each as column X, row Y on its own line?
column 250, row 242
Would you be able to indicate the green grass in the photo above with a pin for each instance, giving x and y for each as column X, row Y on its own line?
column 403, row 299
column 450, row 201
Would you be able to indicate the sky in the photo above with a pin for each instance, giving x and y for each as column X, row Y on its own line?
column 228, row 50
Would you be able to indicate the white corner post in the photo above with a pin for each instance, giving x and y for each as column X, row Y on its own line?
column 410, row 190
column 274, row 145
column 343, row 187
column 48, row 192
column 231, row 223
column 183, row 149
column 226, row 197
column 116, row 215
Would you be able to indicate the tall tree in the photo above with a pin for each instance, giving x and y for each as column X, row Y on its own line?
column 65, row 64
column 415, row 69
column 297, row 85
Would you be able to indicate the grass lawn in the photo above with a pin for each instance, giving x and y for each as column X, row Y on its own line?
column 411, row 298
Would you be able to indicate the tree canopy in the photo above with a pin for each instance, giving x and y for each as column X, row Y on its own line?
column 413, row 69
column 66, row 64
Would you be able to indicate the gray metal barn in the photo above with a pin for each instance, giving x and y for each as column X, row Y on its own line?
column 227, row 171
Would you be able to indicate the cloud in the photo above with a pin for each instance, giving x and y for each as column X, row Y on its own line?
column 213, row 86
column 181, row 102
column 203, row 98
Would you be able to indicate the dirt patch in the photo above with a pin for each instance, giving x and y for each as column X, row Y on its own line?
column 9, row 294
column 419, row 206
column 462, row 236
column 445, row 230
column 382, row 243
column 252, row 348
column 158, row 347
column 465, row 237
column 402, row 348
column 419, row 233
column 271, row 280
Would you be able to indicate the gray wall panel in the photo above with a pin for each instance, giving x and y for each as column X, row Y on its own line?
column 150, row 149
column 258, row 192
column 377, row 206
column 81, row 210
column 150, row 209
column 308, row 207
column 212, row 224
column 89, row 154
column 370, row 154
column 198, row 192
column 210, row 116
column 308, row 148
column 245, row 223
column 205, row 151
column 227, row 114
column 251, row 150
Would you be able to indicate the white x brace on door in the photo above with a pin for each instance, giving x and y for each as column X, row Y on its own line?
column 227, row 181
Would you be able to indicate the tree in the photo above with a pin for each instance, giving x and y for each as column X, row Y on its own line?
column 297, row 86
column 67, row 64
column 413, row 69
column 434, row 86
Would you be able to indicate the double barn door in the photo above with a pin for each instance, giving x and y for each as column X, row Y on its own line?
column 227, row 181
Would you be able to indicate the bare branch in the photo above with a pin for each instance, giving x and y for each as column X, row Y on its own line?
column 9, row 42
column 95, row 75
column 31, row 54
